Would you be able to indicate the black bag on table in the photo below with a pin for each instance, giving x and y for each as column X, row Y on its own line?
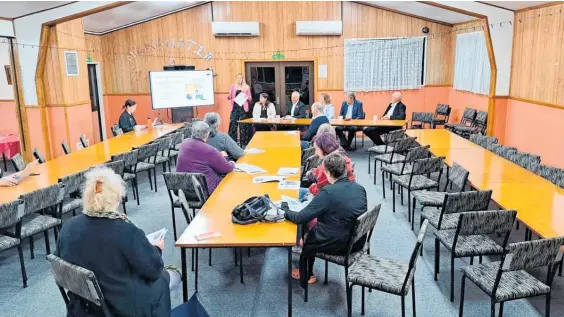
column 256, row 209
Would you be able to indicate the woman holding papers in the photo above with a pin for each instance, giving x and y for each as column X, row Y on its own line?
column 128, row 267
column 240, row 97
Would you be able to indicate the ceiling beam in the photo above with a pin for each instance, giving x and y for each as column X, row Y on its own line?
column 449, row 8
column 495, row 6
column 88, row 12
column 403, row 13
column 549, row 4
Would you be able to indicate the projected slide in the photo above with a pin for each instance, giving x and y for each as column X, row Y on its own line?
column 174, row 89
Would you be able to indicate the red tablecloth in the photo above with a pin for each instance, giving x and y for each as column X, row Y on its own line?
column 9, row 145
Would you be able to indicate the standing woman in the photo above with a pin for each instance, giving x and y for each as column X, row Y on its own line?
column 126, row 121
column 239, row 112
column 328, row 108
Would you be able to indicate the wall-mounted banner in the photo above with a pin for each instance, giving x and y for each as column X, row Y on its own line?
column 186, row 45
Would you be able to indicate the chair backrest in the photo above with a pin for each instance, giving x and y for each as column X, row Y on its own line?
column 417, row 154
column 468, row 116
column 129, row 158
column 11, row 213
column 176, row 138
column 423, row 117
column 493, row 147
column 18, row 162
column 187, row 130
column 164, row 143
column 415, row 255
column 458, row 176
column 77, row 280
column 306, row 153
column 466, row 201
column 185, row 182
column 403, row 145
column 442, row 110
column 524, row 160
column 73, row 182
column 43, row 198
column 490, row 139
column 427, row 165
column 66, row 147
column 37, row 154
column 481, row 119
column 504, row 151
column 116, row 130
column 364, row 225
column 147, row 151
column 117, row 166
column 532, row 254
column 486, row 222
column 393, row 136
column 83, row 140
column 483, row 140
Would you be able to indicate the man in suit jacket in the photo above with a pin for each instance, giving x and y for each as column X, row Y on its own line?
column 395, row 111
column 336, row 208
column 319, row 118
column 297, row 109
column 351, row 109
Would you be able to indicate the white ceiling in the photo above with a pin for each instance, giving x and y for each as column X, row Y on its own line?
column 14, row 9
column 423, row 10
column 517, row 5
column 131, row 13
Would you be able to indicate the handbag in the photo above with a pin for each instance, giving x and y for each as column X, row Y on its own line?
column 255, row 209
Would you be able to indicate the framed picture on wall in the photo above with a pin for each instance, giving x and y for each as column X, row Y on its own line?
column 8, row 74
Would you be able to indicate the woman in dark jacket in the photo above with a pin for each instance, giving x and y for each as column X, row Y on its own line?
column 126, row 121
column 128, row 268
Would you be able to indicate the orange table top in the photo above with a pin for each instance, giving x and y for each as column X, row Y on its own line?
column 538, row 202
column 215, row 215
column 52, row 170
column 337, row 122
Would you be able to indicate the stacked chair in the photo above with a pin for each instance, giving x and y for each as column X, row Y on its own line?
column 478, row 126
column 442, row 115
column 389, row 139
column 406, row 167
column 466, row 121
column 396, row 155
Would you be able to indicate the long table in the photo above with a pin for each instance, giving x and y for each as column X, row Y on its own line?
column 99, row 153
column 538, row 202
column 334, row 122
column 282, row 149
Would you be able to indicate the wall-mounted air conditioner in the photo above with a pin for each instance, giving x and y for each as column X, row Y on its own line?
column 235, row 28
column 309, row 28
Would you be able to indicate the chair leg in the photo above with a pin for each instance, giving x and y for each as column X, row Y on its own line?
column 133, row 189
column 137, row 190
column 362, row 301
column 400, row 189
column 210, row 258
column 193, row 255
column 480, row 258
column 369, row 155
column 173, row 224
column 31, row 246
column 437, row 246
column 150, row 178
column 383, row 186
column 394, row 198
column 560, row 269
column 349, row 300
column 493, row 308
column 501, row 309
column 155, row 178
column 409, row 208
column 326, row 271
column 462, row 286
column 402, row 306
column 547, row 313
column 47, row 244
column 22, row 265
column 413, row 296
column 375, row 173
column 452, row 277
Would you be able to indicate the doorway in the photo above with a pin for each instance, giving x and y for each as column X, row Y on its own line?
column 279, row 80
column 94, row 85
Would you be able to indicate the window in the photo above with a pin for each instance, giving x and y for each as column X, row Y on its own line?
column 472, row 64
column 384, row 64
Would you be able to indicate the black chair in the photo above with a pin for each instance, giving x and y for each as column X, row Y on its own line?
column 507, row 280
column 11, row 219
column 38, row 156
column 116, row 130
column 118, row 167
column 483, row 140
column 466, row 121
column 72, row 201
column 18, row 162
column 395, row 155
column 66, row 147
column 129, row 173
column 442, row 115
column 79, row 281
column 525, row 160
column 163, row 153
column 146, row 161
column 478, row 126
column 358, row 129
column 406, row 167
column 420, row 119
column 83, row 140
column 389, row 139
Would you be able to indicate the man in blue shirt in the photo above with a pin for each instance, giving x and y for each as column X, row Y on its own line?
column 319, row 118
column 350, row 109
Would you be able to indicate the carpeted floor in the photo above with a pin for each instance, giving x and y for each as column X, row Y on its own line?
column 264, row 292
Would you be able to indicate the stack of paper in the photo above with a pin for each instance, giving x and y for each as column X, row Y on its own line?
column 288, row 171
column 293, row 204
column 267, row 179
column 286, row 184
column 157, row 235
column 241, row 98
column 254, row 151
column 248, row 168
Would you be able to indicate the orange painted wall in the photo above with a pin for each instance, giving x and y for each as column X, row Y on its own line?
column 458, row 100
column 80, row 121
column 35, row 133
column 8, row 118
column 57, row 130
column 536, row 129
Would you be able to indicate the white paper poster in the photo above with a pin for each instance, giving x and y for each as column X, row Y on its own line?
column 322, row 71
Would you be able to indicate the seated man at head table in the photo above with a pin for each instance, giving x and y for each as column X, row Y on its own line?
column 297, row 109
column 336, row 208
column 16, row 178
column 319, row 118
column 395, row 111
column 196, row 156
column 350, row 109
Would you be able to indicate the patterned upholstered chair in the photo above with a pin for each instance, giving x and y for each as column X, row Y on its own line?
column 548, row 172
column 83, row 140
column 396, row 155
column 386, row 275
column 389, row 138
column 119, row 168
column 38, row 156
column 420, row 119
column 478, row 126
column 504, row 151
column 310, row 163
column 442, row 114
column 176, row 139
column 73, row 184
column 307, row 153
column 417, row 180
column 406, row 167
column 525, row 160
column 45, row 200
column 162, row 154
column 79, row 281
column 18, row 162
column 116, row 130
column 471, row 238
column 507, row 280
column 457, row 175
column 466, row 121
column 129, row 175
column 65, row 147
column 146, row 161
column 483, row 140
column 11, row 218
column 362, row 230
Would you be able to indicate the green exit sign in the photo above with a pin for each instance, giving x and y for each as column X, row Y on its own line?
column 278, row 55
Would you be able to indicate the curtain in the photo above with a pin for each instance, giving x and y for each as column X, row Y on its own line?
column 472, row 64
column 384, row 64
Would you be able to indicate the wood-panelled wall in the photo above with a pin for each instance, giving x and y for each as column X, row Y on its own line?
column 277, row 28
column 537, row 71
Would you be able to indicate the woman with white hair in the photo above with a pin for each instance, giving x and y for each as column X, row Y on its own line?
column 129, row 269
column 220, row 140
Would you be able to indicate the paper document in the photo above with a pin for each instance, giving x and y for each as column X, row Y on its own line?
column 293, row 203
column 207, row 235
column 241, row 98
column 267, row 179
column 157, row 235
column 254, row 151
column 292, row 132
column 286, row 184
column 288, row 171
column 248, row 168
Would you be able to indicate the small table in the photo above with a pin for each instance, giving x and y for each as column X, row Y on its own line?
column 9, row 146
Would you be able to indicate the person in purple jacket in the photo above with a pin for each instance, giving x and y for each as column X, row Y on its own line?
column 196, row 156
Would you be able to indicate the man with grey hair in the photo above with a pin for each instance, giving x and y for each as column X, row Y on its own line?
column 296, row 109
column 196, row 156
column 351, row 109
column 395, row 111
column 219, row 140
column 319, row 118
